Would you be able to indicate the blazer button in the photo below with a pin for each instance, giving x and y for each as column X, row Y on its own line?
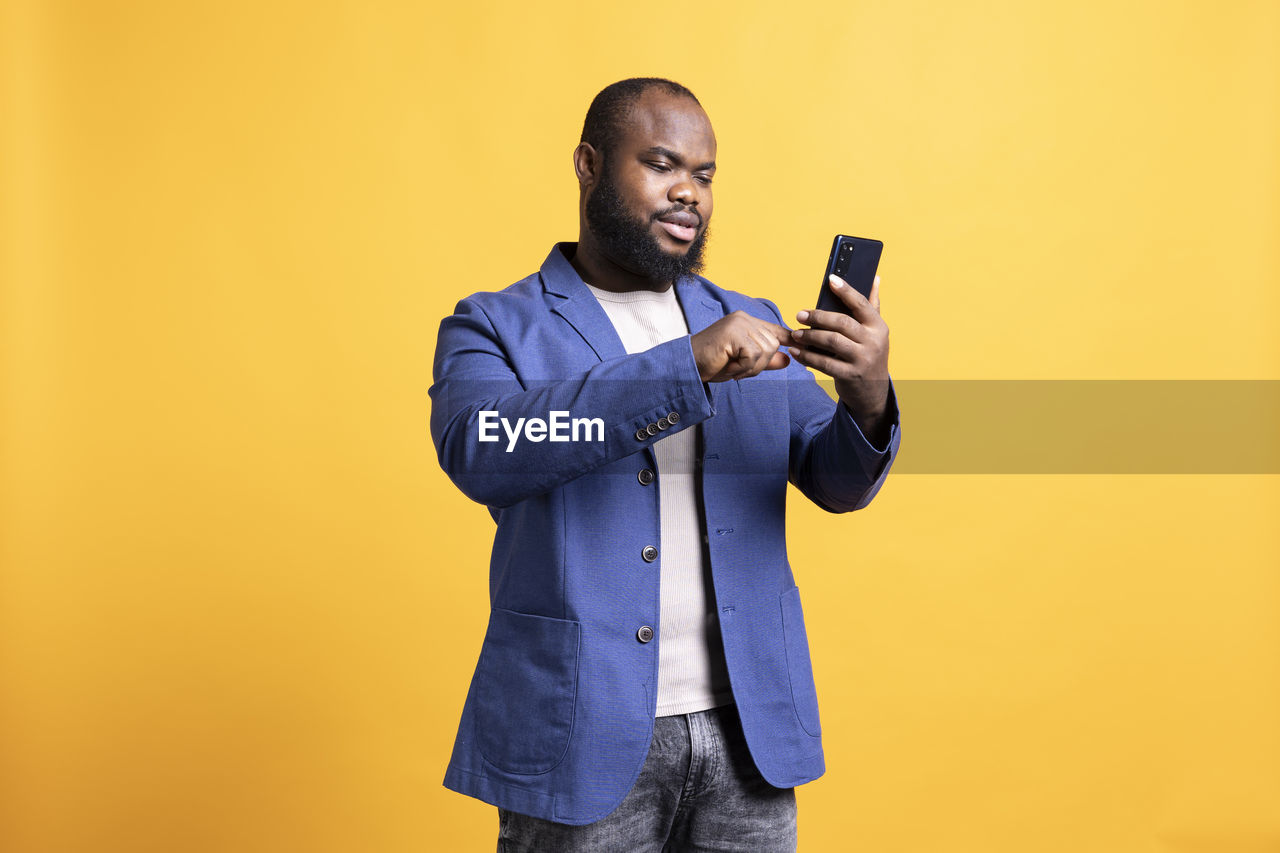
column 645, row 634
column 645, row 476
column 642, row 434
column 673, row 417
column 652, row 429
column 663, row 423
column 649, row 553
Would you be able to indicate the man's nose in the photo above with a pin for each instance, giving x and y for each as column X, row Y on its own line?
column 684, row 192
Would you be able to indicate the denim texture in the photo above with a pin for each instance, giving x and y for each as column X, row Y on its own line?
column 698, row 791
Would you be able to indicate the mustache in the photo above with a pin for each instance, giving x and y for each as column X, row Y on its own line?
column 679, row 208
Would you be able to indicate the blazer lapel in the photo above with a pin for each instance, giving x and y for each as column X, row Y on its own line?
column 570, row 299
column 700, row 310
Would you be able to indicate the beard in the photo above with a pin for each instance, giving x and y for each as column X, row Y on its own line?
column 629, row 242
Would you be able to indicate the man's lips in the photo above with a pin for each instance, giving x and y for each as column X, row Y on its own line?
column 681, row 224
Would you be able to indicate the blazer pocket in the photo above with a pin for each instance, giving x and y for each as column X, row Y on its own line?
column 526, row 686
column 799, row 667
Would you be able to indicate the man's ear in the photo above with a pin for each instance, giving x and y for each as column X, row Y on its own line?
column 587, row 164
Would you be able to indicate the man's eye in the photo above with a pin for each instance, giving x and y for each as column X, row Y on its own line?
column 659, row 167
column 703, row 179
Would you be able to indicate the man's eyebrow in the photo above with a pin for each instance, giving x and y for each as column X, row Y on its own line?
column 677, row 159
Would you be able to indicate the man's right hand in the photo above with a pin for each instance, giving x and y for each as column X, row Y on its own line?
column 738, row 346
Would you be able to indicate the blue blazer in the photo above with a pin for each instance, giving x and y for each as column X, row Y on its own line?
column 559, row 715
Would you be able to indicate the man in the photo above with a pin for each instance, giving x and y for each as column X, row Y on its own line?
column 644, row 683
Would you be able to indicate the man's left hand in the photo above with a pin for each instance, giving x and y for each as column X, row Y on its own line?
column 854, row 351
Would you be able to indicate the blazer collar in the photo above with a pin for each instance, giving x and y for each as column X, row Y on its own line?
column 575, row 303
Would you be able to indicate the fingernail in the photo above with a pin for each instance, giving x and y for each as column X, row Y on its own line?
column 797, row 333
column 802, row 316
column 835, row 282
column 877, row 279
column 794, row 351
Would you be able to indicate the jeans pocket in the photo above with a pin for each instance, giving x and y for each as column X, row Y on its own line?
column 526, row 687
column 803, row 693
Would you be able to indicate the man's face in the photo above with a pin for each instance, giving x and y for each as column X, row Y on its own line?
column 651, row 205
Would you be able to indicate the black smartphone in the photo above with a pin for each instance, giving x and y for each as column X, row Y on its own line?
column 853, row 259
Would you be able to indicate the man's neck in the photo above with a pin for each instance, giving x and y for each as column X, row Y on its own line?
column 600, row 271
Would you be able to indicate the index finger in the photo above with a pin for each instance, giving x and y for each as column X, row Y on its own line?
column 782, row 333
column 861, row 307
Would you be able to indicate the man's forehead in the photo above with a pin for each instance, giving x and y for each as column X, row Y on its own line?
column 663, row 120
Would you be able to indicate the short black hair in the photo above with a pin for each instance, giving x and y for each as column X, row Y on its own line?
column 603, row 126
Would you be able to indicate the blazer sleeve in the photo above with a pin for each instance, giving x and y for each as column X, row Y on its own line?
column 831, row 462
column 473, row 374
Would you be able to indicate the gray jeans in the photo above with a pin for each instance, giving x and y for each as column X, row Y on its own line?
column 698, row 791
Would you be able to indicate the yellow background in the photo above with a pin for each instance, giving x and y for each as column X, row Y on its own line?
column 240, row 603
